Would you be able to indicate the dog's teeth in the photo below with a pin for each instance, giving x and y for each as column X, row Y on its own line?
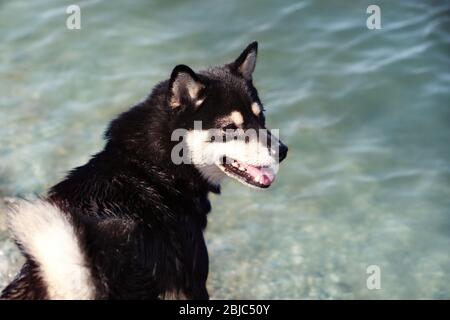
column 241, row 168
column 257, row 179
column 235, row 164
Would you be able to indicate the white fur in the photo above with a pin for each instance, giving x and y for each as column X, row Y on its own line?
column 47, row 235
column 256, row 109
column 207, row 156
column 203, row 152
column 237, row 118
column 212, row 173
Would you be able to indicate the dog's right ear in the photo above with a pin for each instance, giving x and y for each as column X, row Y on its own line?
column 245, row 64
column 185, row 87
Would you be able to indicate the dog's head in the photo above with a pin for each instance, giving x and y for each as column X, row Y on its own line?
column 223, row 122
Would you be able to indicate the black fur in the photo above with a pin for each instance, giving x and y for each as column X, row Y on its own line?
column 140, row 217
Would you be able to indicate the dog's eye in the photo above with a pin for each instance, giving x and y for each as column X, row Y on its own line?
column 231, row 126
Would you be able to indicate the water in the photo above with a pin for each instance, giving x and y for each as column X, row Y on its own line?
column 366, row 115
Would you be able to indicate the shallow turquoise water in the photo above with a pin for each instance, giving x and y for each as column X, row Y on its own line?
column 366, row 114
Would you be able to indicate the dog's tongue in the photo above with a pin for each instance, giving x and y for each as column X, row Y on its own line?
column 262, row 175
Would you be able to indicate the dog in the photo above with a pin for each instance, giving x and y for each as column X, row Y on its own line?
column 129, row 223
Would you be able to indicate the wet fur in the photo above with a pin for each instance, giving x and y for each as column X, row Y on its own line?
column 138, row 218
column 142, row 228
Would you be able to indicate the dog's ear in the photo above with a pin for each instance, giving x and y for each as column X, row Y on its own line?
column 245, row 64
column 185, row 87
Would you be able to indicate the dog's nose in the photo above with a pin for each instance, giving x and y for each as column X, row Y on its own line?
column 283, row 151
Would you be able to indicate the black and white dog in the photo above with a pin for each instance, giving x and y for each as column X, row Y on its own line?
column 129, row 224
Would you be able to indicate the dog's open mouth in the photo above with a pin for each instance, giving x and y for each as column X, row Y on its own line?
column 260, row 177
